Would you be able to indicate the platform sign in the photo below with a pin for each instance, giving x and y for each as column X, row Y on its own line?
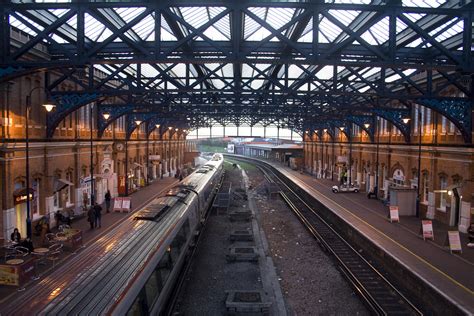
column 126, row 204
column 427, row 228
column 117, row 204
column 454, row 241
column 394, row 214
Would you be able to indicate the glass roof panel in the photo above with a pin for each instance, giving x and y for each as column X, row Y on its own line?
column 294, row 71
column 325, row 73
column 423, row 3
column 277, row 17
column 149, row 71
column 378, row 33
column 443, row 32
column 256, row 84
column 93, row 29
column 228, row 71
column 328, row 31
column 215, row 35
column 146, row 28
column 19, row 25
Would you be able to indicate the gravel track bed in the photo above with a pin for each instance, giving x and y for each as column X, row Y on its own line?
column 310, row 282
column 210, row 274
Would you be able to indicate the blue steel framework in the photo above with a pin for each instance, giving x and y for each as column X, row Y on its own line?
column 196, row 63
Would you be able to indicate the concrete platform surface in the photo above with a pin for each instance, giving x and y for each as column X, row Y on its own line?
column 451, row 274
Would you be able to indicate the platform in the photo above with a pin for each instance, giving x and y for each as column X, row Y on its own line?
column 449, row 274
column 9, row 295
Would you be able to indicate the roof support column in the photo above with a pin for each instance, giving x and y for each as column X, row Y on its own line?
column 4, row 35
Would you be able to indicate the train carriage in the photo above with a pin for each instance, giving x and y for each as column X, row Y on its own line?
column 132, row 269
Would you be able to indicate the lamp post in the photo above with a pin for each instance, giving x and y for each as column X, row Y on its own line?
column 341, row 130
column 154, row 149
column 419, row 166
column 418, row 195
column 376, row 186
column 91, row 158
column 322, row 155
column 170, row 128
column 366, row 125
column 138, row 122
column 332, row 158
column 49, row 107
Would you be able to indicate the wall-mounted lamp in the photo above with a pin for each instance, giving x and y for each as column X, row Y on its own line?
column 341, row 128
column 157, row 125
column 49, row 106
column 106, row 116
column 325, row 130
column 170, row 128
column 406, row 120
column 138, row 122
column 366, row 125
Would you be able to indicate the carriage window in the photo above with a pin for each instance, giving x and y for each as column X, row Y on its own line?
column 153, row 288
column 186, row 228
column 165, row 266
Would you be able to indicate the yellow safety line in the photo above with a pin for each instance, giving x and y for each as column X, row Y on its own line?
column 400, row 245
column 401, row 225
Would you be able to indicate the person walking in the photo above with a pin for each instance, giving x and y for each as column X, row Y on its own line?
column 91, row 216
column 108, row 198
column 98, row 214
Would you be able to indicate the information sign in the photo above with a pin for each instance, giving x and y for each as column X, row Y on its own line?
column 117, row 204
column 427, row 228
column 454, row 241
column 126, row 204
column 394, row 214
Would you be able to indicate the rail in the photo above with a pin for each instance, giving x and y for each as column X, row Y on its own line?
column 379, row 294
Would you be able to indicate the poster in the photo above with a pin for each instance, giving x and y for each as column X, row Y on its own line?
column 427, row 227
column 454, row 241
column 394, row 214
column 117, row 204
column 9, row 275
column 126, row 204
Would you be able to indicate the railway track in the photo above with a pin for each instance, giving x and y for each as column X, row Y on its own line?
column 381, row 296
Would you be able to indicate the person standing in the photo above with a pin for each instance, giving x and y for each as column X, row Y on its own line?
column 108, row 198
column 91, row 216
column 98, row 214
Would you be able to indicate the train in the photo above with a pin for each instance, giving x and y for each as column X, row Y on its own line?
column 132, row 269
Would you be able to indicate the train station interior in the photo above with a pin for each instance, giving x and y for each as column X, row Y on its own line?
column 112, row 100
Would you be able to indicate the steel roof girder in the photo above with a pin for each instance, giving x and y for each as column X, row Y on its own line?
column 115, row 112
column 457, row 111
column 197, row 32
column 118, row 33
column 430, row 39
column 361, row 121
column 277, row 33
column 396, row 118
column 42, row 34
column 66, row 104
